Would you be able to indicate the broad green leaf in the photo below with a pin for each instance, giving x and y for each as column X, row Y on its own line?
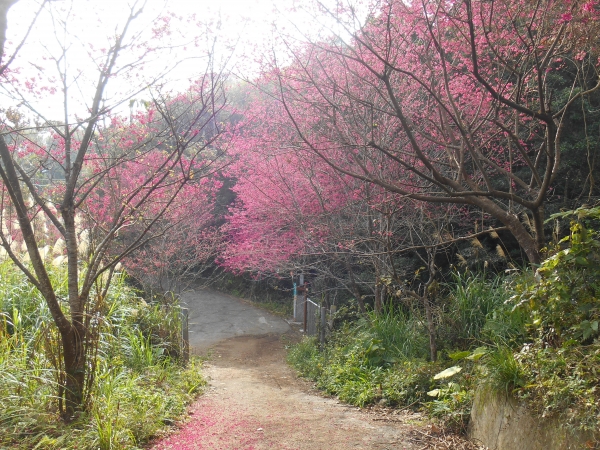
column 582, row 261
column 459, row 355
column 447, row 373
column 477, row 354
column 434, row 393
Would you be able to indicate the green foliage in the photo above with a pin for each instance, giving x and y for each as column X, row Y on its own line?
column 505, row 373
column 137, row 386
column 453, row 397
column 379, row 358
column 383, row 357
column 562, row 381
column 452, row 404
column 563, row 297
column 556, row 372
column 475, row 310
column 532, row 337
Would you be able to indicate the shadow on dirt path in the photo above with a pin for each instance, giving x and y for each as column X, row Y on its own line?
column 215, row 316
column 255, row 401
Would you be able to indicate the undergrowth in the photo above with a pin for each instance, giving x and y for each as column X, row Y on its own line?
column 383, row 358
column 556, row 370
column 533, row 338
column 138, row 387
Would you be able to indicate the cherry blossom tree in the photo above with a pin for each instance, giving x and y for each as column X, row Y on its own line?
column 185, row 242
column 445, row 102
column 102, row 184
column 294, row 212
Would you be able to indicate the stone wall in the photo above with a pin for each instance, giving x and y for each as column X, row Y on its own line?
column 501, row 423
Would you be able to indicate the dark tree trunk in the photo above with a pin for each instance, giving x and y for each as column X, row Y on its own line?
column 428, row 293
column 354, row 287
column 74, row 358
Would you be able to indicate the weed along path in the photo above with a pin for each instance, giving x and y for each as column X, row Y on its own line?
column 255, row 400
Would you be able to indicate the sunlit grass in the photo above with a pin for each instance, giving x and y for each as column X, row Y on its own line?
column 139, row 386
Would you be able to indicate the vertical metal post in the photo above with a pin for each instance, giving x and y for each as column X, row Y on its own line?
column 185, row 335
column 295, row 303
column 305, row 309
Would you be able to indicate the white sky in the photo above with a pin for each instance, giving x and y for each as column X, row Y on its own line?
column 243, row 29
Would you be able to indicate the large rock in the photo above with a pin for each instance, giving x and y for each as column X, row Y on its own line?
column 501, row 423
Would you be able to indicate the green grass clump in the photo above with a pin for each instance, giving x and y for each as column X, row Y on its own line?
column 474, row 311
column 369, row 361
column 384, row 357
column 137, row 388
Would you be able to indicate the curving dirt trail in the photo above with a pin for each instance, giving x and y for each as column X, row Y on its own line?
column 255, row 400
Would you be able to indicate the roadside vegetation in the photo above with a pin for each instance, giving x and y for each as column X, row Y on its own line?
column 530, row 335
column 136, row 386
column 404, row 181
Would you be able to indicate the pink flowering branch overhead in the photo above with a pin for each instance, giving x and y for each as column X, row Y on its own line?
column 456, row 101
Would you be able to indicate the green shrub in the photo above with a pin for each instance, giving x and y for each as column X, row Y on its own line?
column 541, row 338
column 137, row 387
column 563, row 297
column 378, row 358
column 556, row 371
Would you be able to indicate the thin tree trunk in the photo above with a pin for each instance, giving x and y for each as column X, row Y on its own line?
column 354, row 287
column 378, row 292
column 427, row 294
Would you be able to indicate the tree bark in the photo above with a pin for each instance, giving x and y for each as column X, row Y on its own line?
column 73, row 344
column 354, row 287
column 427, row 294
column 430, row 325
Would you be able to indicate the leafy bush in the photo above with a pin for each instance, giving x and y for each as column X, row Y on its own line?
column 137, row 386
column 556, row 372
column 562, row 381
column 541, row 336
column 475, row 310
column 382, row 358
column 563, row 297
column 379, row 358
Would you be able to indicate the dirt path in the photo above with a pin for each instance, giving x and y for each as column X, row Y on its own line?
column 215, row 316
column 255, row 401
